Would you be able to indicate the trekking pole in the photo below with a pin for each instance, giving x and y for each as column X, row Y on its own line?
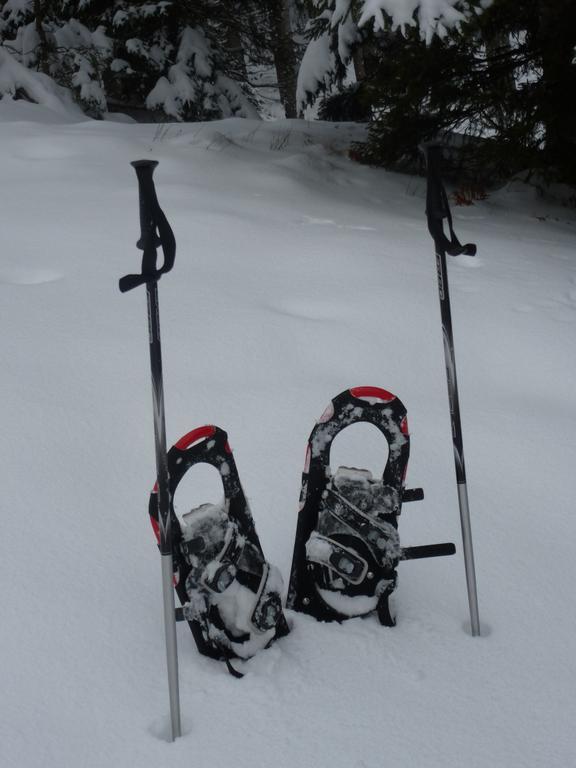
column 156, row 231
column 437, row 209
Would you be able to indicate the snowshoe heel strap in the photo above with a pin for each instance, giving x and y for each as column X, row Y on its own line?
column 383, row 610
column 268, row 604
column 217, row 577
column 323, row 550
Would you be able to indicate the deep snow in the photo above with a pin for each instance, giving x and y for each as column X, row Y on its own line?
column 298, row 274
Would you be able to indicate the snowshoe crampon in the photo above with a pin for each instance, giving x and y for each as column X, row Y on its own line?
column 230, row 595
column 347, row 546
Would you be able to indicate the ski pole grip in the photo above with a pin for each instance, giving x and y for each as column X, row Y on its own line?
column 435, row 203
column 147, row 198
column 154, row 230
column 438, row 208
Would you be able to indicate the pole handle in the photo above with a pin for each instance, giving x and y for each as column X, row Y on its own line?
column 437, row 207
column 154, row 231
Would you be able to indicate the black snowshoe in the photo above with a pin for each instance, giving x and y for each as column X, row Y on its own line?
column 231, row 596
column 347, row 546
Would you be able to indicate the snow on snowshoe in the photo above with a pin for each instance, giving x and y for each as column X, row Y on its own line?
column 347, row 546
column 230, row 595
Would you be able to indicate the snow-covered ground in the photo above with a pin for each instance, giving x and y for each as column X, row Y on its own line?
column 298, row 274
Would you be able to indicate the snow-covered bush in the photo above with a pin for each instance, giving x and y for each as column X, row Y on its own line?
column 141, row 55
column 194, row 88
column 341, row 26
column 17, row 81
column 68, row 51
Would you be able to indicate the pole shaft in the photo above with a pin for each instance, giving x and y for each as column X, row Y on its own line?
column 163, row 506
column 171, row 646
column 469, row 559
column 159, row 419
column 457, row 440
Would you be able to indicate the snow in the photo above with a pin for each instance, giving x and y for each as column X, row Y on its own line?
column 40, row 88
column 317, row 67
column 298, row 274
column 432, row 16
column 194, row 80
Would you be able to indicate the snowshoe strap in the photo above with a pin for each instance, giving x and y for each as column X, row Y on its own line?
column 228, row 566
column 267, row 605
column 233, row 671
column 220, row 572
column 383, row 609
column 375, row 535
column 323, row 550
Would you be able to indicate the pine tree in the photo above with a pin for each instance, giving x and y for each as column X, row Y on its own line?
column 343, row 29
column 183, row 59
column 503, row 85
column 166, row 60
column 497, row 83
column 47, row 36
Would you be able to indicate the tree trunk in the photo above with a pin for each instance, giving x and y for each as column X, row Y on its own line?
column 557, row 40
column 359, row 64
column 43, row 49
column 284, row 54
column 233, row 42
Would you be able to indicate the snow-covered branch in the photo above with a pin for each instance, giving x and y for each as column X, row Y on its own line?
column 341, row 24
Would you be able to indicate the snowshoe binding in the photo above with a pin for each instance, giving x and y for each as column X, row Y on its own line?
column 347, row 545
column 230, row 595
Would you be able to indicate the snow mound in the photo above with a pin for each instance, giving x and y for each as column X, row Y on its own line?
column 38, row 88
column 535, row 199
column 286, row 136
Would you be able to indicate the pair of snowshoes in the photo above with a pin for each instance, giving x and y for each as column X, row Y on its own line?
column 346, row 550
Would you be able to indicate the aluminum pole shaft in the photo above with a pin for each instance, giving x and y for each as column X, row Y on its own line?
column 156, row 231
column 450, row 360
column 164, row 507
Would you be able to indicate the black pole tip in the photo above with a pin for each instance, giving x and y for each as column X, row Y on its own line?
column 144, row 163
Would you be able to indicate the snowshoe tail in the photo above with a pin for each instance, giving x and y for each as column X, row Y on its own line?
column 229, row 594
column 347, row 547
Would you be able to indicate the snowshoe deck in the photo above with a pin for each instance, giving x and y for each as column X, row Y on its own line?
column 347, row 546
column 230, row 595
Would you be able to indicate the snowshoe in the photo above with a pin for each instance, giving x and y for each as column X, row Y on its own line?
column 230, row 595
column 347, row 546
